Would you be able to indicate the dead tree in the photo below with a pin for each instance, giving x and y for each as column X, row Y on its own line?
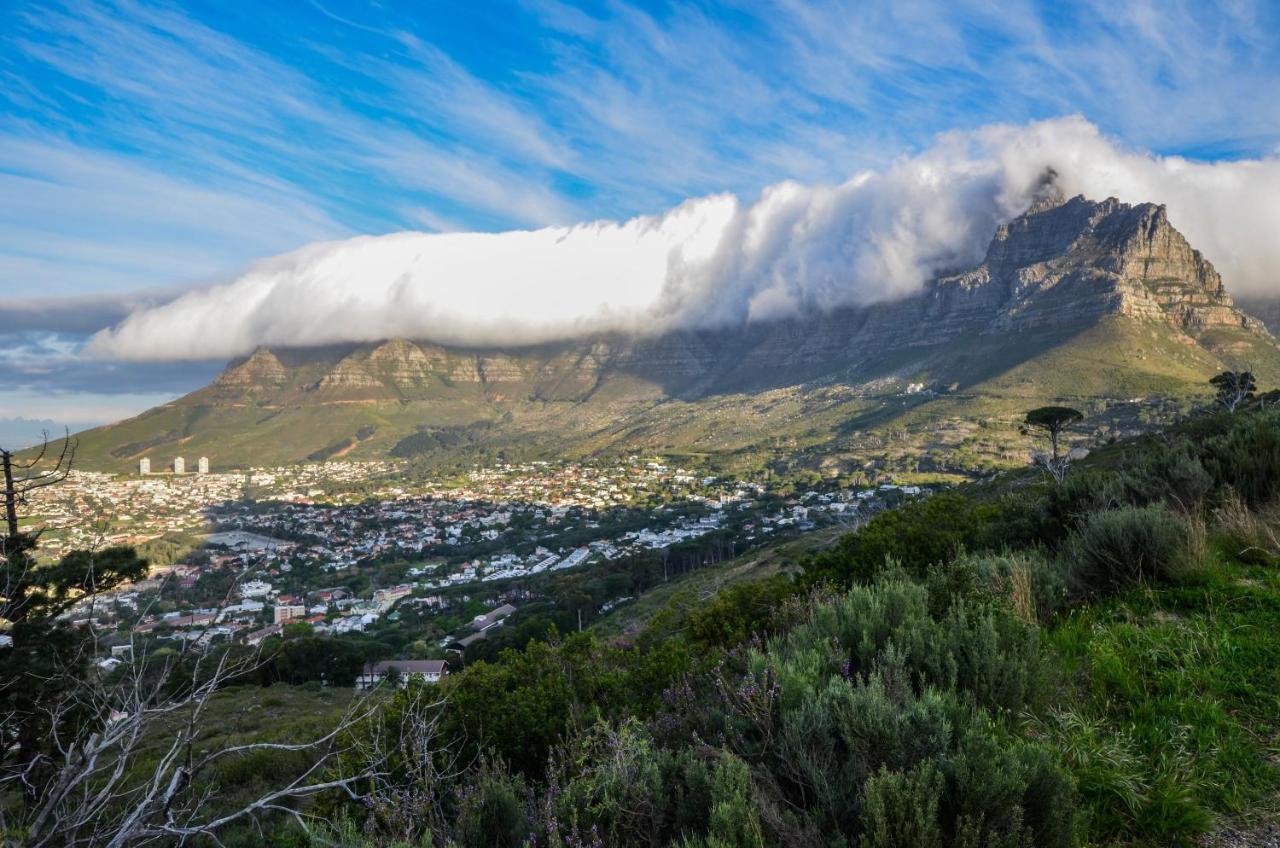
column 22, row 477
column 1234, row 388
column 78, row 750
column 100, row 794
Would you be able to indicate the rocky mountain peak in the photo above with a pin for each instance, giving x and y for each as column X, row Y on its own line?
column 1087, row 258
column 261, row 369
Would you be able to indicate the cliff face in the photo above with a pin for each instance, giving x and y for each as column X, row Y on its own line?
column 1078, row 261
column 261, row 370
column 1065, row 263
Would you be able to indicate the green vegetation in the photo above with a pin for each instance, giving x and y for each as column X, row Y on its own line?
column 1175, row 718
column 1025, row 662
column 251, row 716
column 1022, row 663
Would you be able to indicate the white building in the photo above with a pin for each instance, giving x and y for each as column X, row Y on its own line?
column 179, row 465
column 144, row 466
column 254, row 589
column 203, row 465
column 427, row 671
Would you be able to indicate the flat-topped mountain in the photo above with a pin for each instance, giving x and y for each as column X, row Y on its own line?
column 1075, row 300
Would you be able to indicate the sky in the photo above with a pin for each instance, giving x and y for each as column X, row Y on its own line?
column 166, row 166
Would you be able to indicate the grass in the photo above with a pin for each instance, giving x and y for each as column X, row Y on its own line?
column 1173, row 704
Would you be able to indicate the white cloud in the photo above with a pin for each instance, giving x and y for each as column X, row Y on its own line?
column 712, row 260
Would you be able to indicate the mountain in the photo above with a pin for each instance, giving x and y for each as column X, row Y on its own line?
column 1076, row 301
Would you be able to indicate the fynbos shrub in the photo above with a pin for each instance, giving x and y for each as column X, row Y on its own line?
column 1126, row 547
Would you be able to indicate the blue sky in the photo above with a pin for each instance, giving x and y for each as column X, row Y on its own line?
column 149, row 146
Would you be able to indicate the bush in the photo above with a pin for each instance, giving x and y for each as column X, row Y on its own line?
column 609, row 784
column 981, row 650
column 880, row 721
column 902, row 809
column 1026, row 582
column 733, row 821
column 1121, row 548
column 491, row 810
column 1172, row 475
column 916, row 535
column 739, row 612
column 1247, row 458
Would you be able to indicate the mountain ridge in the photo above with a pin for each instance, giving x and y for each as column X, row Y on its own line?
column 1060, row 270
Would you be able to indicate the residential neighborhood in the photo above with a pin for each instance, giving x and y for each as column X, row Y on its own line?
column 346, row 549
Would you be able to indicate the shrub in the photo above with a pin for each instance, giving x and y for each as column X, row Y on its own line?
column 739, row 612
column 981, row 650
column 1173, row 475
column 916, row 535
column 1130, row 546
column 733, row 822
column 902, row 808
column 1026, row 582
column 1053, row 512
column 609, row 784
column 491, row 810
column 1247, row 458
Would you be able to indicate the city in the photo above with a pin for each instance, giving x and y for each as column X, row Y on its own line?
column 343, row 547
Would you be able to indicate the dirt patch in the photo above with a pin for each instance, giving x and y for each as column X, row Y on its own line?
column 1261, row 836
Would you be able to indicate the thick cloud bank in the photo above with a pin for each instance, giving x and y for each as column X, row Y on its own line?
column 713, row 260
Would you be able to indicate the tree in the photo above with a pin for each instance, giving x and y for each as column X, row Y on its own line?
column 1234, row 388
column 46, row 659
column 21, row 478
column 1052, row 420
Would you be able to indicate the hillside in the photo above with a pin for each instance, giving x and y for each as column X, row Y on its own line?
column 1096, row 304
column 1011, row 663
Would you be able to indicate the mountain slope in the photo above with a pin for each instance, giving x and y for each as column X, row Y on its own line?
column 1076, row 301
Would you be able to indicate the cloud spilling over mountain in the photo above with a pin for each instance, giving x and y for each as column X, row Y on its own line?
column 710, row 261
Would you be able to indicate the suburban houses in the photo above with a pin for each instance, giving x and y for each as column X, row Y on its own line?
column 340, row 549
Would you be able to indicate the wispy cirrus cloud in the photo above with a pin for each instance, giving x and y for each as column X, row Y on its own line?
column 79, row 219
column 545, row 113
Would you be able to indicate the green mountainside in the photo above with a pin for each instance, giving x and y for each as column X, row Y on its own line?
column 1101, row 305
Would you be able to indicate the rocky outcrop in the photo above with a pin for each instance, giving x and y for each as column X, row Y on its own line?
column 349, row 373
column 406, row 365
column 260, row 370
column 1078, row 260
